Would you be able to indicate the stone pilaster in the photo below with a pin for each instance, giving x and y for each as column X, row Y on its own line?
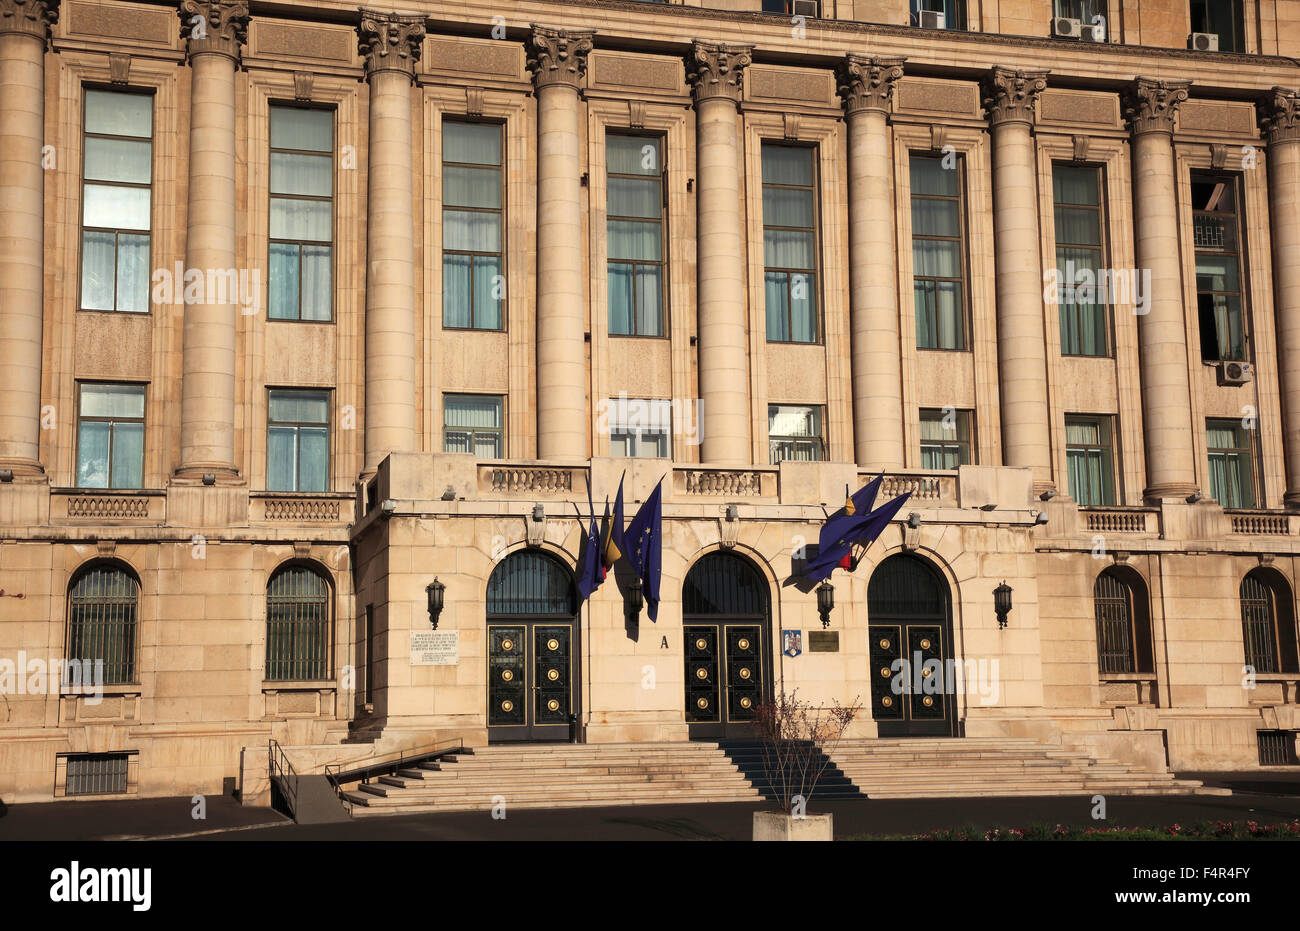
column 867, row 86
column 1010, row 97
column 215, row 32
column 558, row 61
column 716, row 73
column 1280, row 119
column 1150, row 107
column 390, row 45
column 24, row 33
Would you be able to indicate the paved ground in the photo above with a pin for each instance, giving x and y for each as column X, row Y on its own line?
column 226, row 820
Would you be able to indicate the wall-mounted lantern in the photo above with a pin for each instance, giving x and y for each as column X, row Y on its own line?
column 435, row 590
column 825, row 602
column 633, row 601
column 1002, row 603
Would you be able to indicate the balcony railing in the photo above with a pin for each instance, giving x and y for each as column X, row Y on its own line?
column 1259, row 523
column 1121, row 520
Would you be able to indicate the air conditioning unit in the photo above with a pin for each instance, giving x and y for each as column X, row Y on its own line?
column 806, row 8
column 1235, row 373
column 1094, row 33
column 1065, row 28
column 931, row 19
column 1205, row 41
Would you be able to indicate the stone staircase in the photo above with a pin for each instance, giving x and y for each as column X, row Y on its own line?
column 994, row 766
column 558, row 776
column 583, row 775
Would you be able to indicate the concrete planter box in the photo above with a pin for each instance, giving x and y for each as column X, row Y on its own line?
column 777, row 825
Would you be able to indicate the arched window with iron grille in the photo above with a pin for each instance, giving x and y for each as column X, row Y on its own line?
column 297, row 624
column 103, row 607
column 1268, row 625
column 1119, row 598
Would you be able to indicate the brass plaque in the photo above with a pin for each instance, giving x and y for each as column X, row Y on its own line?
column 823, row 641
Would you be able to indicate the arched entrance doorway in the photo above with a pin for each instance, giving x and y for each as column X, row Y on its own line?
column 726, row 625
column 532, row 655
column 909, row 613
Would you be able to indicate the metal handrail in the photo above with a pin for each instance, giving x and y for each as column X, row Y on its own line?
column 280, row 766
column 337, row 776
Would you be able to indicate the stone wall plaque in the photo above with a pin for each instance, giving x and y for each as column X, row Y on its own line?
column 435, row 647
column 823, row 641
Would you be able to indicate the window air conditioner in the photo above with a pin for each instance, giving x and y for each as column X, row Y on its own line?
column 1205, row 41
column 1065, row 28
column 1235, row 373
column 931, row 19
column 1094, row 33
column 806, row 8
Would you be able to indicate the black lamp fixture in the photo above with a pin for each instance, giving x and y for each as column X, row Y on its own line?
column 435, row 590
column 825, row 602
column 633, row 601
column 1002, row 603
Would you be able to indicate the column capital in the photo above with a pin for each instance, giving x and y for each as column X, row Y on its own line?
column 717, row 70
column 29, row 17
column 390, row 41
column 867, row 83
column 559, row 56
column 1010, row 94
column 219, row 26
column 1279, row 115
column 1150, row 104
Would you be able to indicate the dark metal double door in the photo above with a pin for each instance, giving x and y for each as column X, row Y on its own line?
column 910, row 696
column 531, row 671
column 725, row 677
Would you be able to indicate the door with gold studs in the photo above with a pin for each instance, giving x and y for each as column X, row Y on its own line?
column 726, row 643
column 910, row 631
column 532, row 650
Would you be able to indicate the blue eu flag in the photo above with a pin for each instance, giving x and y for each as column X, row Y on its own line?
column 643, row 544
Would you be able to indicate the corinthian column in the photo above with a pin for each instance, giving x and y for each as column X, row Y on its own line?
column 1022, row 342
column 867, row 84
column 217, row 31
column 24, row 31
column 1280, row 118
column 715, row 72
column 390, row 46
column 1150, row 106
column 558, row 60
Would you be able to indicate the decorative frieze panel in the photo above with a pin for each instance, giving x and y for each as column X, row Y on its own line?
column 1071, row 108
column 1221, row 118
column 642, row 72
column 460, row 56
column 791, row 84
column 134, row 24
column 317, row 43
column 923, row 95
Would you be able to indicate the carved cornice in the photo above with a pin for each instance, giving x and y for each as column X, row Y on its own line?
column 717, row 70
column 29, row 17
column 219, row 26
column 1150, row 105
column 1010, row 95
column 1279, row 115
column 868, row 83
column 390, row 41
column 559, row 56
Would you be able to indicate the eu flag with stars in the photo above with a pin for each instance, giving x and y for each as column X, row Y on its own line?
column 643, row 544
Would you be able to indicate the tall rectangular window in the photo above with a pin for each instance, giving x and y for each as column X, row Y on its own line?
column 938, row 254
column 298, row 440
column 110, row 436
column 952, row 11
column 1080, row 259
column 945, row 438
column 301, row 248
column 473, row 198
column 1089, row 459
column 1232, row 472
column 794, row 431
column 117, row 175
column 1216, row 235
column 474, row 423
column 640, row 427
column 1221, row 18
column 635, row 235
column 790, row 243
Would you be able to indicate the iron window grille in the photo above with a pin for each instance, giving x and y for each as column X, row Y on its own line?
column 97, row 774
column 297, row 625
column 102, row 621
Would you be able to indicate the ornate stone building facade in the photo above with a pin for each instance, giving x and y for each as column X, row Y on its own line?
column 306, row 307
